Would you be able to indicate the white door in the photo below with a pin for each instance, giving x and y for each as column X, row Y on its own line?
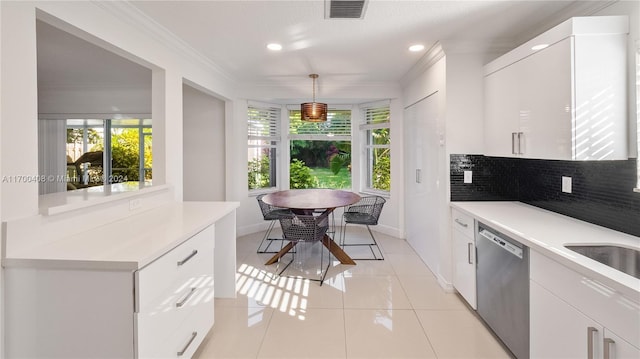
column 618, row 348
column 421, row 179
column 501, row 97
column 558, row 330
column 464, row 266
column 546, row 103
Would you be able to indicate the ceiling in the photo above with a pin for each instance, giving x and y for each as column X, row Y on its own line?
column 371, row 51
column 234, row 34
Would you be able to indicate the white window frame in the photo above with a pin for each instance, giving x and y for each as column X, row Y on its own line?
column 275, row 139
column 366, row 160
column 107, row 125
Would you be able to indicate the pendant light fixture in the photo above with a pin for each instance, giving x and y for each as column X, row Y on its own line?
column 314, row 111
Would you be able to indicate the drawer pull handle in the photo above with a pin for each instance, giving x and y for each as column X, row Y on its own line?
column 590, row 332
column 608, row 342
column 184, row 350
column 458, row 221
column 195, row 251
column 184, row 301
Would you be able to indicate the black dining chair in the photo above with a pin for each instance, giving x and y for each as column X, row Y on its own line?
column 365, row 212
column 272, row 214
column 298, row 228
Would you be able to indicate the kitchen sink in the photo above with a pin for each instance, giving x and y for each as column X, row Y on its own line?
column 626, row 260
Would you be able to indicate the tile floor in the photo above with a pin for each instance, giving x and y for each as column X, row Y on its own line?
column 376, row 309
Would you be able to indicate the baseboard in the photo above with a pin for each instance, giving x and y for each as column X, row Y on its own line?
column 390, row 231
column 444, row 284
column 250, row 229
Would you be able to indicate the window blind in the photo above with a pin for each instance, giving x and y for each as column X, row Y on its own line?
column 375, row 117
column 264, row 123
column 338, row 124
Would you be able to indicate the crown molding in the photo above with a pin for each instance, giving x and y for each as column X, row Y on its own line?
column 133, row 16
column 101, row 86
column 433, row 55
column 576, row 8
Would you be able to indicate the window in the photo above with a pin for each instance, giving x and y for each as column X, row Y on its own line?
column 263, row 140
column 129, row 158
column 320, row 153
column 377, row 134
column 72, row 155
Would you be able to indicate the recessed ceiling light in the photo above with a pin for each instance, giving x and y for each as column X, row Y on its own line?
column 539, row 47
column 416, row 48
column 274, row 47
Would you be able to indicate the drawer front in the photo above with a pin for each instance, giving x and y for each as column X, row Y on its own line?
column 167, row 326
column 192, row 332
column 462, row 222
column 177, row 268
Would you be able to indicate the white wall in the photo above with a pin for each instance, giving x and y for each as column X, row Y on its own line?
column 203, row 146
column 2, row 228
column 113, row 26
column 464, row 133
column 108, row 26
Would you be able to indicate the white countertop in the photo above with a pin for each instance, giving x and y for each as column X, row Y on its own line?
column 127, row 244
column 65, row 201
column 547, row 232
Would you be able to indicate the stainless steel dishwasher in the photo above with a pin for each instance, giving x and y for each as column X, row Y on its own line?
column 503, row 288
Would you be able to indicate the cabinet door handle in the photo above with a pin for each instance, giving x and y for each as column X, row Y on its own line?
column 520, row 142
column 418, row 175
column 184, row 350
column 195, row 251
column 608, row 342
column 591, row 331
column 514, row 136
column 458, row 221
column 186, row 298
column 469, row 249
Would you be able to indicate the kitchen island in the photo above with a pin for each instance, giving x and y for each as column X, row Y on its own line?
column 139, row 286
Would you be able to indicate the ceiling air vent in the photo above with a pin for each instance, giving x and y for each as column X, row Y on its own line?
column 345, row 9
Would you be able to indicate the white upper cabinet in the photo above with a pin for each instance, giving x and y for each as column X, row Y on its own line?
column 565, row 101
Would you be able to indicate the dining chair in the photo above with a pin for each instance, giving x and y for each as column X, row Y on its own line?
column 272, row 214
column 298, row 228
column 365, row 212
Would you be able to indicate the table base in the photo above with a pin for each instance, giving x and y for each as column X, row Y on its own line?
column 332, row 246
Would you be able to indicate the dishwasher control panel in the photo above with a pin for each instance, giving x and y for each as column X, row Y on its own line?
column 497, row 240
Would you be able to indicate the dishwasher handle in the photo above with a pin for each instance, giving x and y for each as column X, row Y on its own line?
column 502, row 243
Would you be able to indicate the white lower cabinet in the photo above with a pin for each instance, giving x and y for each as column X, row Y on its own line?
column 175, row 300
column 558, row 330
column 464, row 256
column 572, row 316
column 616, row 347
column 163, row 310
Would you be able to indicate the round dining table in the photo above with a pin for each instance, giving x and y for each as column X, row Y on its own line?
column 304, row 201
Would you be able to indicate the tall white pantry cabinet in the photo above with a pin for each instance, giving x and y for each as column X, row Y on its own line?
column 561, row 95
